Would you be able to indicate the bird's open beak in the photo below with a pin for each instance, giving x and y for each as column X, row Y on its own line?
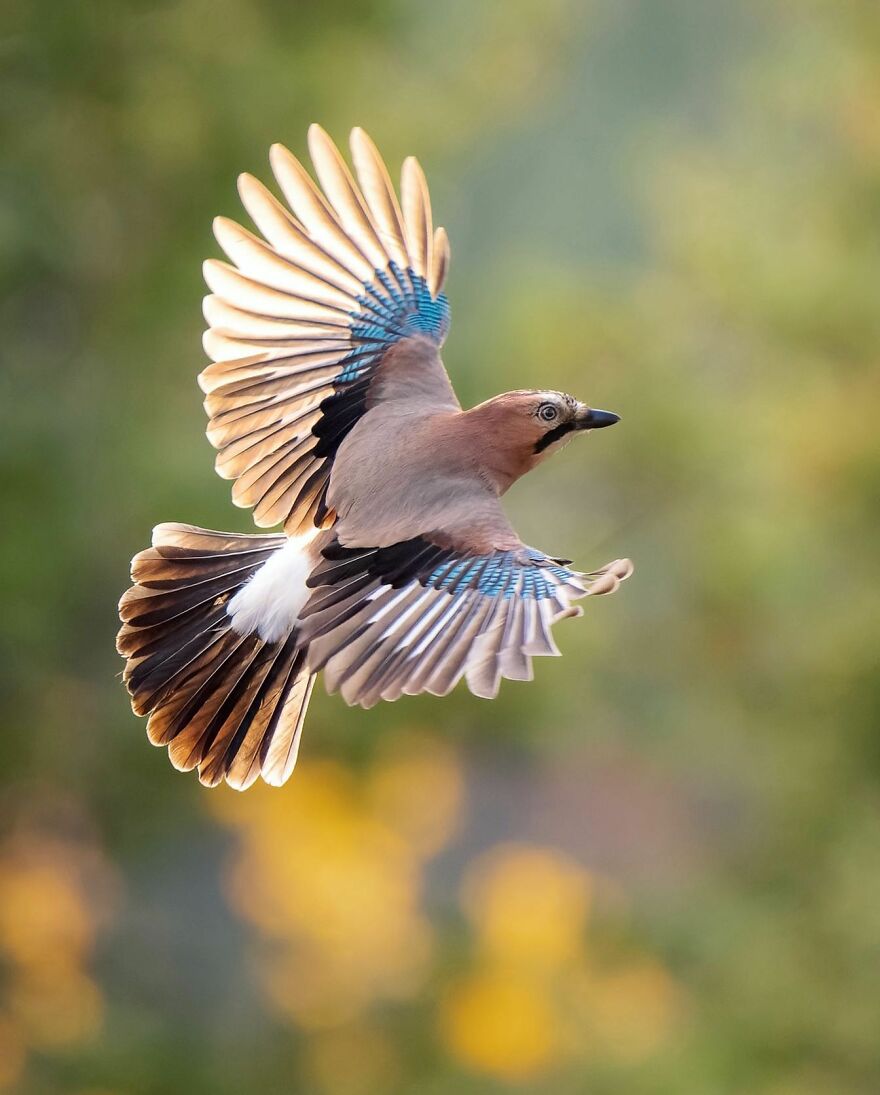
column 588, row 418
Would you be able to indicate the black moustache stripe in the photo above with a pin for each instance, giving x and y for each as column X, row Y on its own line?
column 554, row 435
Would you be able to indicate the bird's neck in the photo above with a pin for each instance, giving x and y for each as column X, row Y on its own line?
column 501, row 453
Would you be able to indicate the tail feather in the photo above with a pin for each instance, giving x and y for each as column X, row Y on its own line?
column 280, row 748
column 229, row 704
column 240, row 751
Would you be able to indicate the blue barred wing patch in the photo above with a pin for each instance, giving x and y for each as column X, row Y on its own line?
column 408, row 309
column 524, row 573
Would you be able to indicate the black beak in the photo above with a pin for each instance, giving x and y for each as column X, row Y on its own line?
column 591, row 419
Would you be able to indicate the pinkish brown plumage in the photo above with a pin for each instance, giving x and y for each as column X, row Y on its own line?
column 398, row 571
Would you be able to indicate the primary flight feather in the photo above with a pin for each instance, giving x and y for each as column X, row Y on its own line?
column 397, row 571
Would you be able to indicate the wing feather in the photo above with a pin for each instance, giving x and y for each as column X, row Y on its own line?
column 301, row 321
column 418, row 616
column 440, row 264
column 260, row 262
column 417, row 216
column 378, row 191
column 255, row 296
column 290, row 238
column 316, row 213
column 340, row 188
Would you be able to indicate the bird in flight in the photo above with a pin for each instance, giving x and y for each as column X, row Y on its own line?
column 397, row 571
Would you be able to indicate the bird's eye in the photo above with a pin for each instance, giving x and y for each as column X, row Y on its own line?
column 547, row 412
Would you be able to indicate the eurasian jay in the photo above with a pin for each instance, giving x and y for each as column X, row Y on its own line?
column 397, row 571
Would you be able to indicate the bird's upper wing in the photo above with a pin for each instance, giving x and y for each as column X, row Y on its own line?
column 417, row 616
column 300, row 325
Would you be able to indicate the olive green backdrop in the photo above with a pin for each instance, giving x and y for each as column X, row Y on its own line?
column 656, row 869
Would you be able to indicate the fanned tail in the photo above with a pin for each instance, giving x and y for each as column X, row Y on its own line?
column 230, row 704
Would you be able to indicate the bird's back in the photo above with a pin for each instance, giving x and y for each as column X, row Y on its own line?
column 407, row 469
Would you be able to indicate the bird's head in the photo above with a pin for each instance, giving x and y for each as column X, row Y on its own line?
column 527, row 426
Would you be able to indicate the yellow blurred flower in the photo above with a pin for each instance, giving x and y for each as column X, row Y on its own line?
column 57, row 1007
column 499, row 1022
column 529, row 908
column 54, row 894
column 44, row 921
column 321, row 864
column 529, row 905
column 534, row 1001
column 330, row 874
column 416, row 788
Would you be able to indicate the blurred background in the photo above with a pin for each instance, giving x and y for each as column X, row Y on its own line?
column 654, row 870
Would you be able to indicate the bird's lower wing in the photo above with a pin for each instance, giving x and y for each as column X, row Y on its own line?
column 302, row 322
column 417, row 616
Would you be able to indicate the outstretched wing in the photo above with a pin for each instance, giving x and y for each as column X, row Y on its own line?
column 417, row 616
column 301, row 325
